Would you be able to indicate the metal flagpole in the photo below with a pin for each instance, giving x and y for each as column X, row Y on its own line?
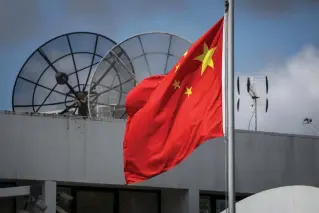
column 224, row 71
column 230, row 106
column 225, row 95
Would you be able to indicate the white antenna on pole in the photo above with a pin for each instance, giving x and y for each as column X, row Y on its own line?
column 254, row 90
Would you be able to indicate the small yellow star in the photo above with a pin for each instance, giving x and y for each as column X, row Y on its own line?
column 185, row 54
column 176, row 67
column 206, row 58
column 188, row 91
column 176, row 84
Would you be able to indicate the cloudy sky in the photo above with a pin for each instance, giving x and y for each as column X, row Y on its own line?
column 277, row 37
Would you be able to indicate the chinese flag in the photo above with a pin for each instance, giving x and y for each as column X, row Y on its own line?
column 169, row 116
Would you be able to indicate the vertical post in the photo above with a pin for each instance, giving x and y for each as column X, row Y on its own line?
column 225, row 92
column 224, row 72
column 255, row 113
column 230, row 105
column 49, row 196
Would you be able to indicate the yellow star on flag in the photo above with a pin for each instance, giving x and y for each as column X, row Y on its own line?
column 188, row 91
column 206, row 58
column 176, row 84
column 185, row 54
column 176, row 68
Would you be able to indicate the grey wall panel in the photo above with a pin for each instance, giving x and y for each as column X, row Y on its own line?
column 74, row 150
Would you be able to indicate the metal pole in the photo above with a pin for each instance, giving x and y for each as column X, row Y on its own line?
column 315, row 128
column 225, row 92
column 225, row 70
column 255, row 114
column 231, row 120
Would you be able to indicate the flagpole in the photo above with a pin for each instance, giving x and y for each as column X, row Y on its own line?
column 225, row 105
column 225, row 78
column 230, row 106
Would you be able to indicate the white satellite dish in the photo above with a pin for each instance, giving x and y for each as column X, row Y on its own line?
column 128, row 63
column 287, row 199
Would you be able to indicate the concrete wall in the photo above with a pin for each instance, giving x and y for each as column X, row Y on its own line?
column 38, row 147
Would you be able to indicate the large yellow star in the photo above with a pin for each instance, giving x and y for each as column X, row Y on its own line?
column 176, row 84
column 206, row 58
column 188, row 91
column 185, row 54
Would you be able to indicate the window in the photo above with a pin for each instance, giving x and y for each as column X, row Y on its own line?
column 108, row 200
column 210, row 203
column 65, row 205
column 95, row 201
column 7, row 204
column 220, row 205
column 205, row 204
column 139, row 202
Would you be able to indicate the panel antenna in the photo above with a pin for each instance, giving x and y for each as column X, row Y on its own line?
column 257, row 88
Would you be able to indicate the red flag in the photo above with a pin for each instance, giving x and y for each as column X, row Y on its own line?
column 170, row 116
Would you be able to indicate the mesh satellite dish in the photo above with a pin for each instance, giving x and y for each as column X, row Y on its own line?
column 55, row 78
column 127, row 64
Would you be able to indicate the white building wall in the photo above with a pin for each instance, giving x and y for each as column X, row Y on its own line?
column 89, row 151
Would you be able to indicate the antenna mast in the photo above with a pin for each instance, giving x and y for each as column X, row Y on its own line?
column 252, row 91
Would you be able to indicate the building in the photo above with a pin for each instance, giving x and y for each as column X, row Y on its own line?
column 83, row 157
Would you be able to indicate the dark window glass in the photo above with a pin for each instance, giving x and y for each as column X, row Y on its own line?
column 7, row 205
column 213, row 203
column 62, row 203
column 220, row 205
column 95, row 202
column 205, row 205
column 138, row 202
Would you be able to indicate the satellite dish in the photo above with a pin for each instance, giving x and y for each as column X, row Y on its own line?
column 55, row 78
column 127, row 64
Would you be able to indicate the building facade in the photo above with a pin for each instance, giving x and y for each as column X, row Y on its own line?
column 83, row 157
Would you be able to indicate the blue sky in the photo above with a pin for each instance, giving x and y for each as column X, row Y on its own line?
column 263, row 35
